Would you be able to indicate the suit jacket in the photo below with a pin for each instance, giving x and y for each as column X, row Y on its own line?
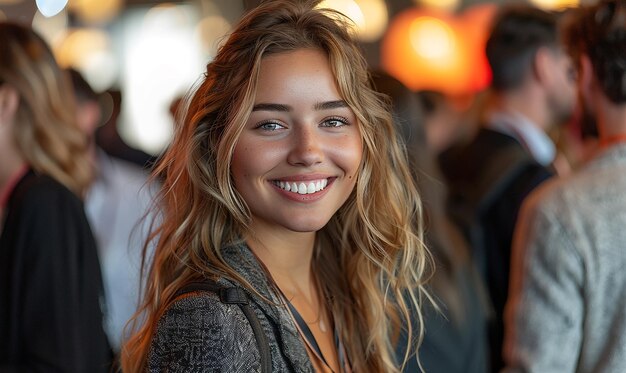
column 50, row 284
column 489, row 178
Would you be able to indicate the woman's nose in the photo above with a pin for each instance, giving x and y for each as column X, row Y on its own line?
column 306, row 147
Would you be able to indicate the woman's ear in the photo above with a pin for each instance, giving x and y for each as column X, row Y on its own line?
column 9, row 101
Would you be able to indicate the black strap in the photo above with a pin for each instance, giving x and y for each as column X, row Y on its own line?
column 235, row 295
column 307, row 332
column 308, row 335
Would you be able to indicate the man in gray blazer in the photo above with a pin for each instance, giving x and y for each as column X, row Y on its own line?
column 567, row 303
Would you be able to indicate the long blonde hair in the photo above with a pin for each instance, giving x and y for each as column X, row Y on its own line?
column 368, row 257
column 46, row 132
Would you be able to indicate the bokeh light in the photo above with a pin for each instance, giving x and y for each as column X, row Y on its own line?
column 210, row 31
column 50, row 8
column 89, row 51
column 96, row 11
column 432, row 39
column 436, row 50
column 161, row 60
column 555, row 4
column 370, row 17
column 448, row 5
column 52, row 29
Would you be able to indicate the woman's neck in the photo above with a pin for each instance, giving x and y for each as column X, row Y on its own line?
column 287, row 255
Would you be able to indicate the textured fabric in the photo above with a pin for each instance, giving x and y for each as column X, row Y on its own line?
column 115, row 205
column 199, row 333
column 567, row 311
column 50, row 285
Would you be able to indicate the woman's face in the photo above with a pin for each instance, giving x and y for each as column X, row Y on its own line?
column 296, row 161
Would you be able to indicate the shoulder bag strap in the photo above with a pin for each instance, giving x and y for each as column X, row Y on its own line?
column 235, row 295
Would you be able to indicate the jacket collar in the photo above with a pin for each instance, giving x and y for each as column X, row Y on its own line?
column 242, row 260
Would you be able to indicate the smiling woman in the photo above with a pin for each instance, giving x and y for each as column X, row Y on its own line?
column 301, row 134
column 285, row 181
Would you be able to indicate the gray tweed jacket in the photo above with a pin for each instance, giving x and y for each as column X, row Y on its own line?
column 567, row 308
column 199, row 333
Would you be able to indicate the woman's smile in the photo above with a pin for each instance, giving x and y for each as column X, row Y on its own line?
column 296, row 161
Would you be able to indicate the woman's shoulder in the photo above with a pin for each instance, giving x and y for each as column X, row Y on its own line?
column 40, row 206
column 199, row 332
column 39, row 190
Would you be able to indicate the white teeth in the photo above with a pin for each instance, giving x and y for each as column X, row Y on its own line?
column 302, row 188
column 310, row 187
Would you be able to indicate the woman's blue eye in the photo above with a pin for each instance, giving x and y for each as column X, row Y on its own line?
column 335, row 122
column 270, row 126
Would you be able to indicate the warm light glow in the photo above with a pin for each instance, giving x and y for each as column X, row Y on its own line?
column 52, row 29
column 165, row 16
column 375, row 18
column 79, row 44
column 370, row 17
column 96, row 11
column 349, row 8
column 474, row 26
column 100, row 69
column 89, row 51
column 2, row 16
column 430, row 49
column 50, row 8
column 432, row 39
column 210, row 31
column 448, row 5
column 555, row 4
column 162, row 59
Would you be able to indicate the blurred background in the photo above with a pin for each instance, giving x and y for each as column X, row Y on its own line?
column 148, row 53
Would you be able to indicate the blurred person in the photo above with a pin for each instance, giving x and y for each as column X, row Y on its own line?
column 446, row 125
column 455, row 329
column 116, row 203
column 567, row 308
column 108, row 138
column 291, row 223
column 50, row 284
column 532, row 90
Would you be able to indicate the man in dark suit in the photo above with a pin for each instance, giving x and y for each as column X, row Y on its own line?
column 533, row 90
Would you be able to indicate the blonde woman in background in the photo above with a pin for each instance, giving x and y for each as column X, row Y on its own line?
column 50, row 285
column 286, row 183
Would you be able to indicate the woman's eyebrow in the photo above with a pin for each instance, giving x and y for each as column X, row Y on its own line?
column 330, row 105
column 271, row 107
column 286, row 108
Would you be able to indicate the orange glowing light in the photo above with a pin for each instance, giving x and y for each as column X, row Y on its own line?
column 431, row 49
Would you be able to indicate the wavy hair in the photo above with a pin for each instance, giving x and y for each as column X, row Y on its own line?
column 599, row 31
column 46, row 132
column 373, row 252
